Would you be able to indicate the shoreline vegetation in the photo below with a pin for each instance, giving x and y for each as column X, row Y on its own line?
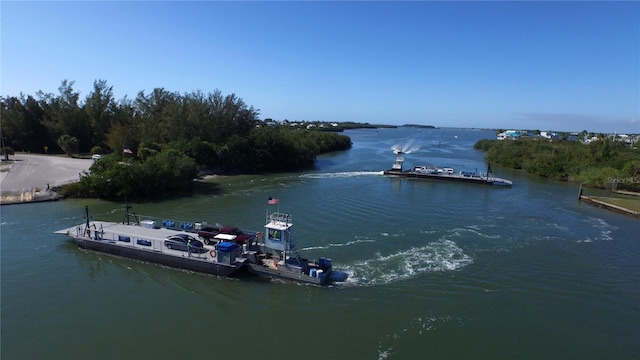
column 602, row 164
column 157, row 143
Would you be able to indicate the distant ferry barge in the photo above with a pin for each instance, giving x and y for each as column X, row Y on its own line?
column 431, row 172
column 169, row 243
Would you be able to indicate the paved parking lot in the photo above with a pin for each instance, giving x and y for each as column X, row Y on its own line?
column 28, row 177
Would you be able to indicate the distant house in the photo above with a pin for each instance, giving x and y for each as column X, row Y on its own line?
column 551, row 136
column 589, row 140
column 627, row 139
column 509, row 135
column 546, row 134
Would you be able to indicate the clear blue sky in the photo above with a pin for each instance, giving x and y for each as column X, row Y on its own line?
column 565, row 66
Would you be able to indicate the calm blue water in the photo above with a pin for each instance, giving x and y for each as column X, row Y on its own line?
column 438, row 270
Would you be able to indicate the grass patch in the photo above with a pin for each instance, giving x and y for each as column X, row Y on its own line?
column 631, row 204
column 5, row 166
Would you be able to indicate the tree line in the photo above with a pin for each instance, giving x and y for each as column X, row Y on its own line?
column 191, row 132
column 603, row 163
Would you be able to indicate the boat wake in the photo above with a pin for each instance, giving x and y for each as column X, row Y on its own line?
column 438, row 256
column 415, row 330
column 602, row 230
column 339, row 175
column 324, row 247
column 473, row 230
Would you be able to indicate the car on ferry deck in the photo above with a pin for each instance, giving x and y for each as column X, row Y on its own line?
column 240, row 236
column 183, row 241
column 208, row 232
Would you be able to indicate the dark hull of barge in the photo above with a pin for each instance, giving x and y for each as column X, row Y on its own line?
column 483, row 180
column 179, row 262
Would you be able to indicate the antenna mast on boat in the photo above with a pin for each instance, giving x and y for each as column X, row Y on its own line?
column 126, row 211
column 489, row 172
column 86, row 216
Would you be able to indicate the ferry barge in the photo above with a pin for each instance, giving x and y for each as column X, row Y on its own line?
column 432, row 172
column 174, row 244
column 147, row 241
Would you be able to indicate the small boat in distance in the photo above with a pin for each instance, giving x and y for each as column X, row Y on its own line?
column 432, row 172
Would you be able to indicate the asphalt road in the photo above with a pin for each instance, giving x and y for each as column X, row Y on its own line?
column 36, row 171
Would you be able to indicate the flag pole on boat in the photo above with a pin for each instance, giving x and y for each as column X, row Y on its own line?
column 274, row 201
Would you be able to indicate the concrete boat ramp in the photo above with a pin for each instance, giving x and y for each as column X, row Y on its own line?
column 28, row 178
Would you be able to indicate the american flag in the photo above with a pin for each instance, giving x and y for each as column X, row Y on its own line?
column 273, row 201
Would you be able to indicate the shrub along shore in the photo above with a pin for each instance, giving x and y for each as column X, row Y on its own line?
column 600, row 164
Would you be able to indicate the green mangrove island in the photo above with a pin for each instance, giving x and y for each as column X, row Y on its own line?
column 600, row 164
column 157, row 143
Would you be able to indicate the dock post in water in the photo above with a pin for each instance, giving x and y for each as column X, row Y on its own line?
column 580, row 192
